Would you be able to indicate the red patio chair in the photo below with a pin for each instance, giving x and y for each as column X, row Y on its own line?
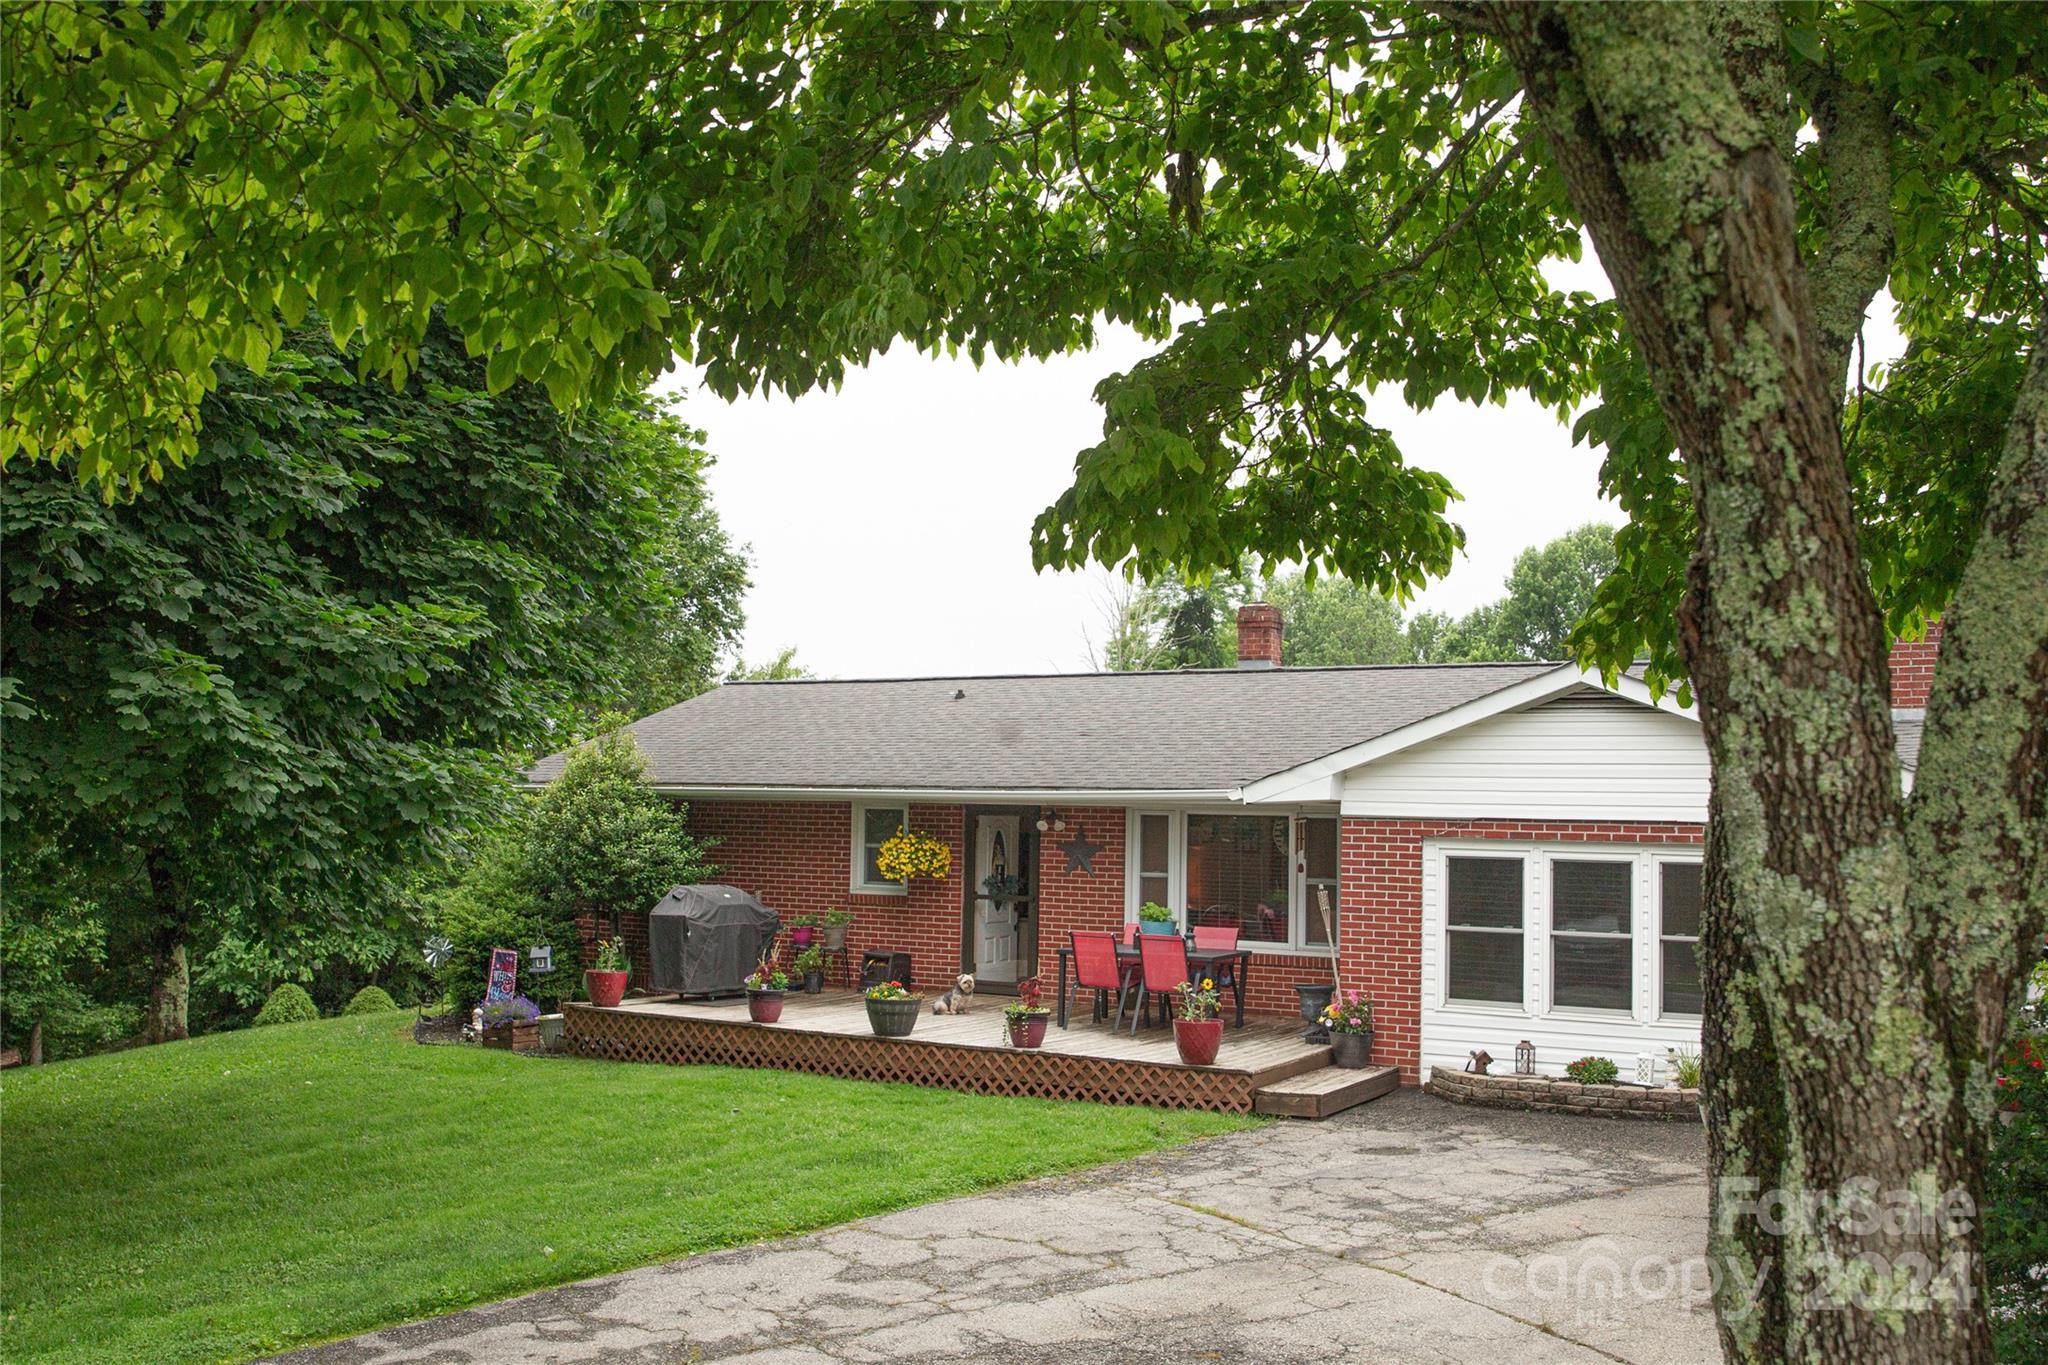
column 1219, row 936
column 1096, row 969
column 1163, row 963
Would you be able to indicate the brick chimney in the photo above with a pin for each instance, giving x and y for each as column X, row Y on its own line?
column 1258, row 636
column 1912, row 664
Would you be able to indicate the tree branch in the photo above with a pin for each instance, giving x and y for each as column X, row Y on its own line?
column 1854, row 263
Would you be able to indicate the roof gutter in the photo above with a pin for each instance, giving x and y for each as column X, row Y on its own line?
column 980, row 796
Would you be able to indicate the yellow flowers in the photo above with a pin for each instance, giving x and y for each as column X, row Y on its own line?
column 1207, row 984
column 906, row 854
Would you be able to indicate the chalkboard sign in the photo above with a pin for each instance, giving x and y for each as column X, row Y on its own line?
column 504, row 975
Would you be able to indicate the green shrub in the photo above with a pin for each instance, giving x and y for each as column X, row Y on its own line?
column 494, row 907
column 2016, row 1205
column 288, row 1004
column 1592, row 1070
column 371, row 1000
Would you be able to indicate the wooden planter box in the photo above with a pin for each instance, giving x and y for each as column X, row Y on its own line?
column 522, row 1035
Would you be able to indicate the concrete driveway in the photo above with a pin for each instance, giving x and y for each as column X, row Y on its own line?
column 1407, row 1230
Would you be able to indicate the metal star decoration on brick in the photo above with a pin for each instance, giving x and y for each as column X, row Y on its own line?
column 1080, row 853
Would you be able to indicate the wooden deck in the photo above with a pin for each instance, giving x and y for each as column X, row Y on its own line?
column 829, row 1034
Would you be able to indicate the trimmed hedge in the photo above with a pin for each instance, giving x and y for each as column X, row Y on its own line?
column 288, row 1004
column 371, row 1000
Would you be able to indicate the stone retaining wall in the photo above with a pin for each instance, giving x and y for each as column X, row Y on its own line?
column 1557, row 1095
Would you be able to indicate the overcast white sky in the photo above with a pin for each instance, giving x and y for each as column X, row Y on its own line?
column 910, row 492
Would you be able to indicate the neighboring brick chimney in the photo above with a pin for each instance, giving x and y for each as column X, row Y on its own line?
column 1258, row 636
column 1912, row 663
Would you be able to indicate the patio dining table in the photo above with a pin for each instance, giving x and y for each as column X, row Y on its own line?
column 1201, row 962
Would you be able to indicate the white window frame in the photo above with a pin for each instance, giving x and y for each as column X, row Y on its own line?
column 1538, row 987
column 1176, row 862
column 1531, row 868
column 1659, row 938
column 1298, row 909
column 1592, row 853
column 1302, row 915
column 856, row 873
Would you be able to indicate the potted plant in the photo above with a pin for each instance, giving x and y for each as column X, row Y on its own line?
column 810, row 965
column 1155, row 919
column 802, row 929
column 764, row 992
column 1197, row 1030
column 509, row 1023
column 909, row 853
column 1025, row 1017
column 892, row 1011
column 1001, row 887
column 605, row 981
column 834, row 926
column 1349, row 1020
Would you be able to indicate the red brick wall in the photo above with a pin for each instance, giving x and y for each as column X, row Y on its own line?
column 1912, row 663
column 1380, row 890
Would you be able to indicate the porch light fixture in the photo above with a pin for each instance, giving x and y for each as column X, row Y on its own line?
column 1525, row 1058
column 1055, row 824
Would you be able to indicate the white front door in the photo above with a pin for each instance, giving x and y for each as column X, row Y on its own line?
column 995, row 920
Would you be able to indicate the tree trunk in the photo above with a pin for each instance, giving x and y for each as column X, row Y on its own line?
column 1840, row 1046
column 35, row 1044
column 170, row 982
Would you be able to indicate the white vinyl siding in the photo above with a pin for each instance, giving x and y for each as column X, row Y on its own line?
column 1586, row 756
column 1572, row 1001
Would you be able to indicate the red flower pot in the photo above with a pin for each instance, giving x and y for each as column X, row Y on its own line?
column 606, row 988
column 801, row 937
column 1198, row 1040
column 764, row 1007
column 1028, row 1032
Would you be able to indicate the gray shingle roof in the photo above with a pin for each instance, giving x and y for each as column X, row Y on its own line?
column 1199, row 730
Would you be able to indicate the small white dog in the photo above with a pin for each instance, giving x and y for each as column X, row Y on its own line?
column 956, row 1000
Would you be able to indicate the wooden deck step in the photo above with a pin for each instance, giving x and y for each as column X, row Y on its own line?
column 1325, row 1091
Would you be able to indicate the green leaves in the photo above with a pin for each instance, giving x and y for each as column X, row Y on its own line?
column 181, row 181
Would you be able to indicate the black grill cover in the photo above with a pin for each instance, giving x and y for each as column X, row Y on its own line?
column 705, row 939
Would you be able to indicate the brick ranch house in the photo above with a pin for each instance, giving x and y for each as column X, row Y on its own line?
column 1513, row 848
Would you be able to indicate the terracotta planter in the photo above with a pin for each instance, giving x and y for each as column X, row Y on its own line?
column 764, row 1007
column 1351, row 1049
column 1198, row 1040
column 894, row 1018
column 606, row 989
column 1029, row 1031
column 835, row 938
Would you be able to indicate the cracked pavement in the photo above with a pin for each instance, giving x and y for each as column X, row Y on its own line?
column 1405, row 1230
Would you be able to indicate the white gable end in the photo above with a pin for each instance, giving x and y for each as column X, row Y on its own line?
column 1587, row 755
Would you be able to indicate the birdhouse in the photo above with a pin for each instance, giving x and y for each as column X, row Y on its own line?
column 1481, row 1059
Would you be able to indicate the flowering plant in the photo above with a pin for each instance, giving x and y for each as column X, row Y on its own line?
column 1592, row 1070
column 1195, row 1003
column 513, row 1009
column 767, row 977
column 908, row 853
column 1029, row 994
column 611, row 956
column 1348, row 1013
column 887, row 990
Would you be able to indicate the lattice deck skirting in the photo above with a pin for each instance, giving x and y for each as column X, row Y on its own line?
column 632, row 1036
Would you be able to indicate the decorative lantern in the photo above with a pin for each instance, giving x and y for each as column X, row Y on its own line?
column 1646, row 1068
column 1481, row 1059
column 1525, row 1058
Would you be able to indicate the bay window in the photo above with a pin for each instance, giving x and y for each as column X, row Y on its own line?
column 1257, row 873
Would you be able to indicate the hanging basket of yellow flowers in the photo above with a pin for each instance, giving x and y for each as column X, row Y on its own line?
column 908, row 853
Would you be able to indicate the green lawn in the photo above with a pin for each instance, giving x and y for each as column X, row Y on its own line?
column 246, row 1192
